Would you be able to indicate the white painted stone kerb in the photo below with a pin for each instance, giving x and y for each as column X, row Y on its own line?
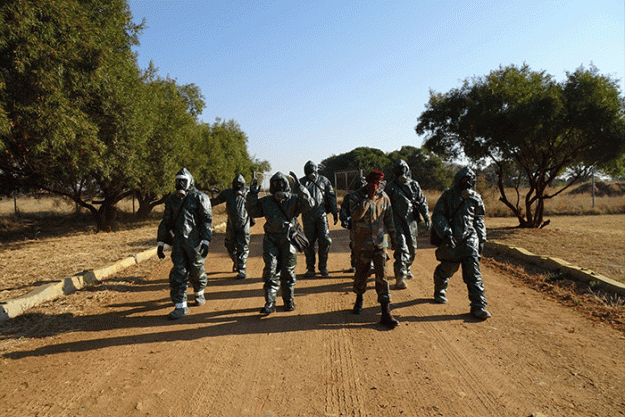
column 558, row 265
column 14, row 307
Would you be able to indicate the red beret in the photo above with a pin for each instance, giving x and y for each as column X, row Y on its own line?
column 374, row 176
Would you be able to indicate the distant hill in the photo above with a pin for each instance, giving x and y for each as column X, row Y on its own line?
column 609, row 189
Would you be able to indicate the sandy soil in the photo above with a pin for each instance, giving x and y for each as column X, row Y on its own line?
column 109, row 350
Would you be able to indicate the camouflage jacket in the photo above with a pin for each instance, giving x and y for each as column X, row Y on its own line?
column 372, row 220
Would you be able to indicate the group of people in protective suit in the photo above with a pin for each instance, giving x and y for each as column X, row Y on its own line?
column 375, row 213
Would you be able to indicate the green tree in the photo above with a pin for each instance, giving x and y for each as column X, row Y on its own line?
column 170, row 111
column 515, row 115
column 220, row 153
column 427, row 169
column 362, row 158
column 50, row 56
column 66, row 95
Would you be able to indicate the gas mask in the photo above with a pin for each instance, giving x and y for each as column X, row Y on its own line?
column 402, row 171
column 182, row 185
column 467, row 183
column 281, row 195
column 280, row 189
column 238, row 188
column 310, row 169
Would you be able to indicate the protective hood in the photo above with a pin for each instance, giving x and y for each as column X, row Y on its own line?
column 238, row 179
column 279, row 182
column 360, row 182
column 464, row 172
column 309, row 168
column 400, row 167
column 184, row 173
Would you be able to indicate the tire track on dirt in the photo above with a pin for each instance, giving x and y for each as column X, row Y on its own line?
column 229, row 351
column 471, row 385
column 344, row 389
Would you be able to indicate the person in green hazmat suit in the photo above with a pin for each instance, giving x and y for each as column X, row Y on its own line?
column 237, row 240
column 316, row 221
column 280, row 210
column 186, row 226
column 345, row 217
column 409, row 207
column 458, row 219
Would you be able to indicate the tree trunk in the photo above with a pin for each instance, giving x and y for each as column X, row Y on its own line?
column 106, row 216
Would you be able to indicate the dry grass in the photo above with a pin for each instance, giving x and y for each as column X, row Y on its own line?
column 45, row 242
column 593, row 242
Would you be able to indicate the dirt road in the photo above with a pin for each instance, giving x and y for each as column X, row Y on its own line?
column 110, row 351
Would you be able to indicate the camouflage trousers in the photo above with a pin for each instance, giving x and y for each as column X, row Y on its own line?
column 364, row 257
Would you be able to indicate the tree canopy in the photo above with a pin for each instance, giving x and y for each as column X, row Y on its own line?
column 80, row 119
column 427, row 168
column 519, row 119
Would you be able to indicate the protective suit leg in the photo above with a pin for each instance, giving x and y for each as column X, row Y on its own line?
column 472, row 276
column 324, row 242
column 411, row 241
column 197, row 273
column 230, row 244
column 442, row 274
column 242, row 249
column 401, row 255
column 178, row 275
column 270, row 271
column 288, row 261
column 311, row 232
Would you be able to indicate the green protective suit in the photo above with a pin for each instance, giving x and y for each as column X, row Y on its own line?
column 460, row 213
column 315, row 220
column 237, row 238
column 189, row 220
column 279, row 254
column 409, row 205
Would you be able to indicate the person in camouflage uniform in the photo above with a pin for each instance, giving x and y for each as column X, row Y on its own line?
column 409, row 205
column 315, row 220
column 458, row 219
column 237, row 238
column 372, row 221
column 280, row 210
column 187, row 226
column 346, row 219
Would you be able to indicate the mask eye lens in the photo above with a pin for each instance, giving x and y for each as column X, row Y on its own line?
column 181, row 184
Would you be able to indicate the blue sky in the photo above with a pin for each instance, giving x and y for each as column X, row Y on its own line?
column 310, row 79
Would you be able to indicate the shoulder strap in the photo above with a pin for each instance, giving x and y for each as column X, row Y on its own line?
column 456, row 210
column 401, row 189
column 180, row 208
column 281, row 209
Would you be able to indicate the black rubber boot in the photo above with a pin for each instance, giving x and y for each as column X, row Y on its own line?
column 358, row 304
column 270, row 307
